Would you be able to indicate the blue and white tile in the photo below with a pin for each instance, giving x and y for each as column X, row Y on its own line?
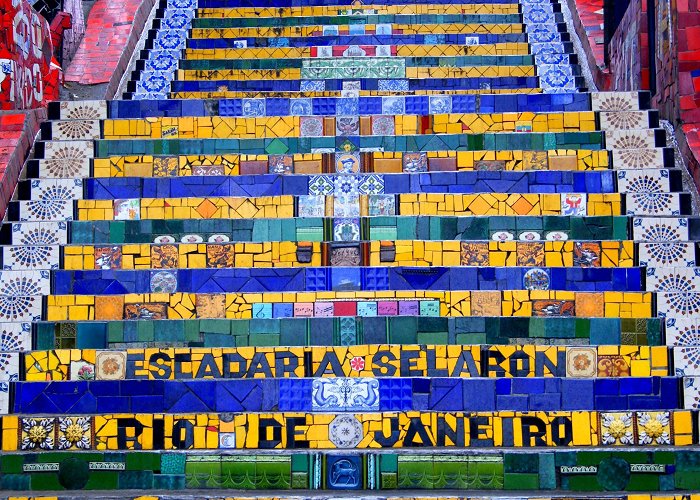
column 683, row 332
column 154, row 83
column 300, row 107
column 311, row 206
column 346, row 206
column 691, row 393
column 393, row 85
column 556, row 77
column 39, row 233
column 20, row 257
column 163, row 60
column 253, row 107
column 320, row 185
column 686, row 361
column 673, row 279
column 440, row 104
column 667, row 254
column 15, row 337
column 347, row 106
column 640, row 158
column 50, row 189
column 660, row 229
column 20, row 309
column 547, row 47
column 653, row 204
column 25, row 283
column 46, row 210
column 544, row 37
column 345, row 394
column 643, row 181
column 371, row 184
column 678, row 304
column 551, row 58
column 312, row 86
column 346, row 185
column 394, row 105
column 170, row 39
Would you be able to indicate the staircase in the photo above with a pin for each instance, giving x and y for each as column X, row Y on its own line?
column 352, row 247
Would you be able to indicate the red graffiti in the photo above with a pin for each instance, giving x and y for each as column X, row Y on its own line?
column 28, row 73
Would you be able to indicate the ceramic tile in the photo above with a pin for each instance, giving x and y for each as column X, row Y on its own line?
column 653, row 204
column 678, row 304
column 686, row 360
column 630, row 139
column 39, row 233
column 63, row 150
column 682, row 332
column 660, row 229
column 30, row 257
column 615, row 101
column 672, row 279
column 71, row 130
column 25, row 283
column 643, row 181
column 56, row 189
column 345, row 394
column 83, row 110
column 638, row 158
column 617, row 120
column 667, row 254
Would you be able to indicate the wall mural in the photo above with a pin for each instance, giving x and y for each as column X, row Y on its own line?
column 28, row 74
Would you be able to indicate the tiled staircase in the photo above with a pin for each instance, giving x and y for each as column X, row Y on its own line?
column 352, row 247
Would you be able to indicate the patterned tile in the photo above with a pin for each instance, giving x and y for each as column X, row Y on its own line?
column 62, row 150
column 345, row 394
column 617, row 120
column 615, row 101
column 643, row 181
column 70, row 130
column 630, row 139
column 51, row 189
column 30, row 257
column 673, row 279
column 678, row 304
column 642, row 158
column 653, row 204
column 39, row 233
column 25, row 283
column 83, row 110
column 660, row 229
column 683, row 332
column 667, row 254
column 320, row 185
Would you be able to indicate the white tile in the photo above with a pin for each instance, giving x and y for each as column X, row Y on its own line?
column 643, row 181
column 614, row 101
column 653, row 204
column 659, row 229
column 667, row 254
column 683, row 331
column 83, row 110
column 630, row 139
column 637, row 158
column 73, row 130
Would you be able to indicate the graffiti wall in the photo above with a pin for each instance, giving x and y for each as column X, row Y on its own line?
column 28, row 75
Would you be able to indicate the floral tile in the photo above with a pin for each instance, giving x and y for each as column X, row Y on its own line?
column 617, row 120
column 653, row 204
column 678, row 304
column 83, row 110
column 630, row 139
column 71, row 130
column 51, row 189
column 682, row 332
column 615, row 101
column 673, row 279
column 37, row 434
column 30, row 257
column 638, row 158
column 643, row 181
column 660, row 229
column 667, row 254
